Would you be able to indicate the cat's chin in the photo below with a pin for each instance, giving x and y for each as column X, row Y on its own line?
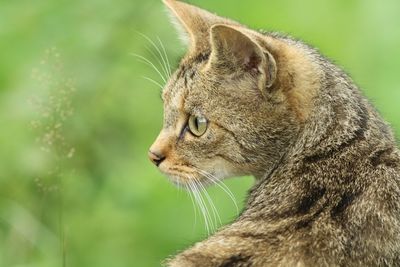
column 192, row 178
column 180, row 181
column 188, row 182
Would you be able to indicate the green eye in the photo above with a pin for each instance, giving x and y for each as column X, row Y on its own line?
column 197, row 125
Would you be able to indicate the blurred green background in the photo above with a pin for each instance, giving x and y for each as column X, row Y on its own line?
column 77, row 118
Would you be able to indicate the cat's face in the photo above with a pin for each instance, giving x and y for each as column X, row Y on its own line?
column 218, row 122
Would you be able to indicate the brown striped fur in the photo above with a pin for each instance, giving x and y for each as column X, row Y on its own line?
column 327, row 168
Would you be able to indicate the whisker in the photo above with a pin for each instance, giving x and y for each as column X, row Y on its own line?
column 148, row 62
column 189, row 191
column 164, row 69
column 202, row 209
column 218, row 182
column 155, row 46
column 206, row 210
column 166, row 55
column 211, row 203
column 153, row 81
column 221, row 185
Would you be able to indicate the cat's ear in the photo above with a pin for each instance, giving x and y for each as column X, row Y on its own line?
column 193, row 23
column 233, row 50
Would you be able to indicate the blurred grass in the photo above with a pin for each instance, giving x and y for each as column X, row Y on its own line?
column 116, row 209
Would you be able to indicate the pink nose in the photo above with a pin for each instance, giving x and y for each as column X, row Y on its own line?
column 156, row 158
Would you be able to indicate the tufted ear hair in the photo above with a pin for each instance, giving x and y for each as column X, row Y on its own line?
column 232, row 50
column 194, row 23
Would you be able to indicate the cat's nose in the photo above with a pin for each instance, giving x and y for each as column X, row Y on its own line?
column 156, row 158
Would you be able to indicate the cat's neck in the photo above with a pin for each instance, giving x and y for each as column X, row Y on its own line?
column 326, row 162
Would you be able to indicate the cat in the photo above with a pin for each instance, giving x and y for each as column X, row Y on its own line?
column 327, row 169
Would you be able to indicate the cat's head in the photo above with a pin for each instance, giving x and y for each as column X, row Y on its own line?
column 227, row 108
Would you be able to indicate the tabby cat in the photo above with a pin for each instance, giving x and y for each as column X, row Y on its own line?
column 327, row 169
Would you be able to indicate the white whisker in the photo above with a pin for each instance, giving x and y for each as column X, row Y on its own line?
column 162, row 65
column 153, row 81
column 207, row 211
column 201, row 199
column 221, row 185
column 201, row 206
column 148, row 62
column 189, row 191
column 157, row 49
column 166, row 56
column 211, row 203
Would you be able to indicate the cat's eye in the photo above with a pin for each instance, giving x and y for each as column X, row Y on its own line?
column 197, row 125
